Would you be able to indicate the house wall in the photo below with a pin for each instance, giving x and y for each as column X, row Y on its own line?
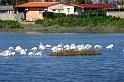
column 37, row 13
column 69, row 10
column 33, row 15
column 6, row 16
column 73, row 10
column 116, row 14
column 59, row 8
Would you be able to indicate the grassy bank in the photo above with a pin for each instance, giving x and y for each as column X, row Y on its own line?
column 9, row 24
column 61, row 29
column 76, row 29
column 100, row 21
column 67, row 25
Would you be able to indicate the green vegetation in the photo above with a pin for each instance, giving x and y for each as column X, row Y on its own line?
column 93, row 13
column 75, row 53
column 37, row 28
column 9, row 24
column 68, row 24
column 53, row 15
column 100, row 21
column 76, row 24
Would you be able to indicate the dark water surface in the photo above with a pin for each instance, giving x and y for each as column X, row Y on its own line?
column 108, row 67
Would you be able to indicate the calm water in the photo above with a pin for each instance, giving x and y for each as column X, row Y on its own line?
column 109, row 67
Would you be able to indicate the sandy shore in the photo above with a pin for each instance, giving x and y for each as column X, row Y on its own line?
column 34, row 33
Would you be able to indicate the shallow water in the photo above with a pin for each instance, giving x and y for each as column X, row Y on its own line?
column 108, row 67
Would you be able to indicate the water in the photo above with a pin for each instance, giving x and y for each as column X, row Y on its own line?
column 108, row 67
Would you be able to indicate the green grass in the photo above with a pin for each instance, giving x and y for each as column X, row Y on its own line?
column 9, row 24
column 100, row 21
column 62, row 29
column 105, row 24
column 76, row 29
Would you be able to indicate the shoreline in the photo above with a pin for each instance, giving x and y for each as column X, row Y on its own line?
column 39, row 29
column 30, row 32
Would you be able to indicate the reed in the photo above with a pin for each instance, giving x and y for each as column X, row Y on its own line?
column 75, row 53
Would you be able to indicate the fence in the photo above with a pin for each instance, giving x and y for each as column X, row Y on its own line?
column 7, row 16
column 116, row 14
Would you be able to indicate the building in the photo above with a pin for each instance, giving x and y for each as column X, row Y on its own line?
column 7, row 13
column 79, row 8
column 6, row 9
column 34, row 10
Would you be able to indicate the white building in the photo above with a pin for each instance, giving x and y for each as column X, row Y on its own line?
column 58, row 8
column 69, row 10
column 35, row 9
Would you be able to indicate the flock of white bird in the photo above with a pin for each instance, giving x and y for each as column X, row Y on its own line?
column 37, row 51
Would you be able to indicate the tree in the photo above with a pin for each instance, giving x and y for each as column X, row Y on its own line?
column 120, row 2
column 5, row 2
column 104, row 1
column 69, row 1
column 83, row 1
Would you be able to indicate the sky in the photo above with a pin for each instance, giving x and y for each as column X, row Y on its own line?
column 96, row 1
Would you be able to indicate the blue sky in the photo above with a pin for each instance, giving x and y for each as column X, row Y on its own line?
column 96, row 1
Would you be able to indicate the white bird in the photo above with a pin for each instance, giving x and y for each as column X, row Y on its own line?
column 109, row 47
column 123, row 50
column 41, row 46
column 79, row 47
column 54, row 49
column 18, row 48
column 6, row 53
column 38, row 54
column 23, row 52
column 13, row 53
column 88, row 46
column 30, row 53
column 34, row 49
column 97, row 46
column 66, row 47
column 59, row 49
column 60, row 45
column 73, row 47
column 10, row 48
column 48, row 46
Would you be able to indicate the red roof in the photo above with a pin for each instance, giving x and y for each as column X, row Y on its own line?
column 92, row 5
column 38, row 4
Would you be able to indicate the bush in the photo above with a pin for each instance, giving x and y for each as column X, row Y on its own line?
column 9, row 24
column 58, row 15
column 94, row 13
column 91, row 21
column 53, row 15
column 48, row 14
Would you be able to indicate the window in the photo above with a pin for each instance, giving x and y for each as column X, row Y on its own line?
column 53, row 10
column 68, row 10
